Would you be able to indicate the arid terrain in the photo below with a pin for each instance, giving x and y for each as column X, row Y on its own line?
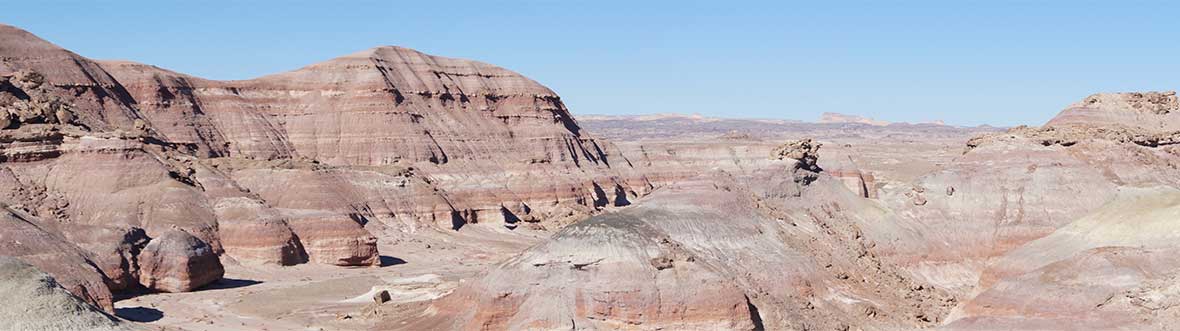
column 395, row 190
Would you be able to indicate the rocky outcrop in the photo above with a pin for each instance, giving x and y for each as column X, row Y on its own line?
column 1147, row 112
column 303, row 166
column 335, row 239
column 1072, row 134
column 484, row 135
column 805, row 152
column 35, row 301
column 251, row 231
column 96, row 100
column 178, row 262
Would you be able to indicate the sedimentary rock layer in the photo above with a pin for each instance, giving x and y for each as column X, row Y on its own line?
column 774, row 248
column 289, row 168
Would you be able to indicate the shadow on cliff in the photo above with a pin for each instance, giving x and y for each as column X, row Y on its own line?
column 139, row 314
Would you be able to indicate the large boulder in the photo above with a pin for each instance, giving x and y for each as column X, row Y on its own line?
column 178, row 262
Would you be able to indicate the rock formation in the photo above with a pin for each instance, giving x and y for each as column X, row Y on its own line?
column 1001, row 226
column 1148, row 112
column 118, row 176
column 154, row 176
column 1111, row 269
column 734, row 251
column 49, row 73
column 804, row 152
column 178, row 262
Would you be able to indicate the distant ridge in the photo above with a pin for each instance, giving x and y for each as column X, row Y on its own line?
column 825, row 118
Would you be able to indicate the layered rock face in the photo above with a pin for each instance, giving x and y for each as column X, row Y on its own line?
column 1124, row 254
column 501, row 146
column 1093, row 251
column 779, row 247
column 1058, row 227
column 297, row 167
column 1029, row 182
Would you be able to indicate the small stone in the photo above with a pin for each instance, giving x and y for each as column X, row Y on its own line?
column 64, row 116
column 381, row 297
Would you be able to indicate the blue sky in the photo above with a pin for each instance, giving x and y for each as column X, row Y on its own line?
column 965, row 62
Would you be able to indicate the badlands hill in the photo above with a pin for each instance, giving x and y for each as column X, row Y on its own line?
column 154, row 178
column 1061, row 227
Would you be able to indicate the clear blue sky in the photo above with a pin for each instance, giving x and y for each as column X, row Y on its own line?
column 966, row 62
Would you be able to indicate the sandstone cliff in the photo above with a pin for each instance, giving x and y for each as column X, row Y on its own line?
column 312, row 165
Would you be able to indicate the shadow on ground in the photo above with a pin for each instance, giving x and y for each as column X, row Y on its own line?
column 387, row 260
column 228, row 283
column 139, row 314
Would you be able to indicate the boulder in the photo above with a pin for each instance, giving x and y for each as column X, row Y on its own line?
column 178, row 262
column 805, row 151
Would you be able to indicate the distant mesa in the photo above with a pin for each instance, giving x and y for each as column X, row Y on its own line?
column 845, row 118
column 825, row 118
column 835, row 118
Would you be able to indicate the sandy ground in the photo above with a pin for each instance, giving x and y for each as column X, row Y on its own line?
column 415, row 269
